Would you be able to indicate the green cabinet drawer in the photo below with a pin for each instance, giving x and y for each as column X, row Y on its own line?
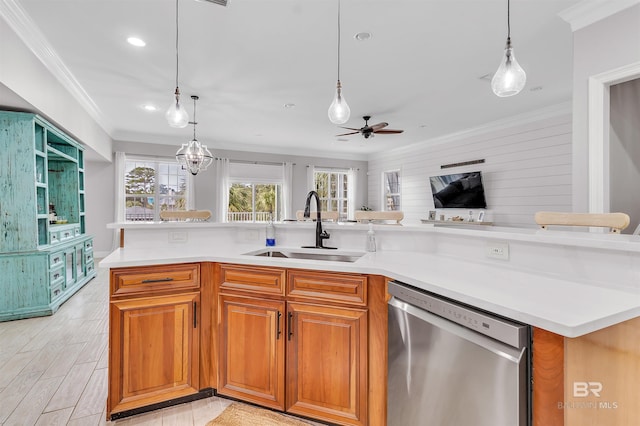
column 90, row 268
column 56, row 290
column 88, row 245
column 56, row 260
column 54, row 237
column 88, row 257
column 56, row 275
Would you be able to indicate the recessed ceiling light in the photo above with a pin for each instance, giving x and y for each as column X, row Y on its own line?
column 135, row 41
column 342, row 140
column 149, row 107
column 364, row 36
column 289, row 105
column 422, row 126
column 536, row 88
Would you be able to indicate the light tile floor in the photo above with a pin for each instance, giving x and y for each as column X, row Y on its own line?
column 53, row 370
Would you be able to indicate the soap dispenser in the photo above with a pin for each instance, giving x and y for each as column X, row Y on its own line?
column 371, row 238
column 271, row 233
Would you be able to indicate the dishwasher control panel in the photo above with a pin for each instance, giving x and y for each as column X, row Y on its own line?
column 505, row 331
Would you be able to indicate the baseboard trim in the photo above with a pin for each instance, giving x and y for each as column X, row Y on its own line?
column 204, row 393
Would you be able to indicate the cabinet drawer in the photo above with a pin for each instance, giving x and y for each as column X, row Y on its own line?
column 56, row 275
column 128, row 281
column 328, row 286
column 253, row 279
column 88, row 257
column 88, row 245
column 54, row 237
column 55, row 260
column 65, row 234
column 89, row 269
column 56, row 290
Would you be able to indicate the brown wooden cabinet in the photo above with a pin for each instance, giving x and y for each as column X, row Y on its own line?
column 320, row 322
column 154, row 341
column 252, row 350
column 327, row 362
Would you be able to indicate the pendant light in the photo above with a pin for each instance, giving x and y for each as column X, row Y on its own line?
column 176, row 114
column 192, row 155
column 339, row 111
column 510, row 77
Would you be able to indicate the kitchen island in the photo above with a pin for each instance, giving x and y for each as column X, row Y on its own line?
column 571, row 287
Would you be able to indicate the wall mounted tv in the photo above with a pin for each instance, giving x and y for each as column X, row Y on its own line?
column 461, row 191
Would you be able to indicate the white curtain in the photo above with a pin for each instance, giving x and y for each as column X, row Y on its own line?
column 119, row 202
column 287, row 190
column 311, row 184
column 221, row 189
column 191, row 191
column 352, row 185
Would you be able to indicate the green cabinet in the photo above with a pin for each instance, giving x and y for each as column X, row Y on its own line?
column 43, row 261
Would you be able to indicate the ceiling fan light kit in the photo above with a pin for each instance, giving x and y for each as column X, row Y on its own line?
column 176, row 114
column 339, row 111
column 192, row 155
column 510, row 78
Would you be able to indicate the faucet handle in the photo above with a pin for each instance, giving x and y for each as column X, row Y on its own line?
column 325, row 235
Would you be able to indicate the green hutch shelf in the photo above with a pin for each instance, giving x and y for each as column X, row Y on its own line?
column 42, row 264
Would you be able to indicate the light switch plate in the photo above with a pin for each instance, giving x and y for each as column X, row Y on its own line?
column 178, row 237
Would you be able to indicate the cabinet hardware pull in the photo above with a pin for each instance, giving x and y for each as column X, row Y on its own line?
column 278, row 330
column 159, row 280
column 195, row 315
column 290, row 324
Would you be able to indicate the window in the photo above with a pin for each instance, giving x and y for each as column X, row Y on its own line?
column 391, row 195
column 255, row 192
column 254, row 202
column 152, row 186
column 333, row 189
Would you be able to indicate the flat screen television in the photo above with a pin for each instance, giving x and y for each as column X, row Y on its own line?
column 460, row 191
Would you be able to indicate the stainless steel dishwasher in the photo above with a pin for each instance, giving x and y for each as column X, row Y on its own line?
column 452, row 365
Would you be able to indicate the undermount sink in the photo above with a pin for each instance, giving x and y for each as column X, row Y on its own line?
column 295, row 254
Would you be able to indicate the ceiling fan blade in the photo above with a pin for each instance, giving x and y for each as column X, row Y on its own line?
column 378, row 126
column 388, row 131
column 349, row 128
column 347, row 134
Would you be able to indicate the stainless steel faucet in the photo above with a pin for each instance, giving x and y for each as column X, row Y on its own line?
column 320, row 234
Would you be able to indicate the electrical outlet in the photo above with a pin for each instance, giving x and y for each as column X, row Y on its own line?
column 178, row 237
column 498, row 250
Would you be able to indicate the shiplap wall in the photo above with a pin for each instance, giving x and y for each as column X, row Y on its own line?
column 527, row 169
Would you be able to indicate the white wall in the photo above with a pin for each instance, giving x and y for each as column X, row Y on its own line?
column 602, row 46
column 100, row 183
column 527, row 169
column 22, row 74
column 624, row 150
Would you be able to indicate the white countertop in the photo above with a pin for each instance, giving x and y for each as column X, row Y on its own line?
column 561, row 306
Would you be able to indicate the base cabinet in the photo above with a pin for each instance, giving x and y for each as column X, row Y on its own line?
column 252, row 349
column 154, row 340
column 327, row 363
column 286, row 353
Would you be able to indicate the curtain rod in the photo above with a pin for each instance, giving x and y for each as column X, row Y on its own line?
column 263, row 163
column 332, row 168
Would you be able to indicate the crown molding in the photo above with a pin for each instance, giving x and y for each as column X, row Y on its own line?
column 564, row 108
column 588, row 12
column 27, row 30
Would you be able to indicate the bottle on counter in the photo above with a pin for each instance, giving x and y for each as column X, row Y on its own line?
column 271, row 233
column 371, row 239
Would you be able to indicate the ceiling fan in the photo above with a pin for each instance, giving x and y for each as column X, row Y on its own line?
column 368, row 131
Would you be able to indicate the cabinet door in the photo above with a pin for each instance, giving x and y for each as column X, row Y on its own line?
column 327, row 363
column 252, row 350
column 154, row 349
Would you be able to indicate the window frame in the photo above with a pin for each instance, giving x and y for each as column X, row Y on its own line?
column 253, row 182
column 132, row 162
column 385, row 195
column 342, row 203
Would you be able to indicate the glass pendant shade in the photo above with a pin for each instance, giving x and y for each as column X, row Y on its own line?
column 194, row 156
column 510, row 78
column 339, row 111
column 176, row 114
